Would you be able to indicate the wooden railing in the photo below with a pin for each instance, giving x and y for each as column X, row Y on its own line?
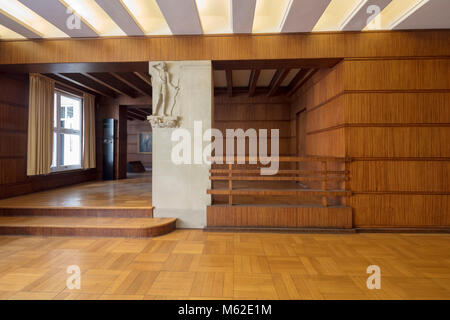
column 323, row 175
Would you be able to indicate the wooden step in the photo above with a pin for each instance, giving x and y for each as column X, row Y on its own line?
column 86, row 226
column 52, row 211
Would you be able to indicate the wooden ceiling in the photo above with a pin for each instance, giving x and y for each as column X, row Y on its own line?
column 282, row 77
column 139, row 112
column 132, row 80
column 107, row 84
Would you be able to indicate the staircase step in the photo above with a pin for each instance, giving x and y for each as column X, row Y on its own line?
column 86, row 226
column 131, row 212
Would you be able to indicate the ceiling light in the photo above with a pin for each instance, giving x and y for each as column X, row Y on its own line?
column 148, row 16
column 30, row 19
column 94, row 15
column 215, row 15
column 269, row 15
column 395, row 13
column 8, row 34
column 337, row 14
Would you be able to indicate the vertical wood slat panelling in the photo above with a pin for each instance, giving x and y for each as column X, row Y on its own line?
column 405, row 176
column 392, row 117
column 425, row 43
column 399, row 109
column 261, row 112
column 400, row 210
column 320, row 98
column 279, row 217
column 395, row 74
column 13, row 144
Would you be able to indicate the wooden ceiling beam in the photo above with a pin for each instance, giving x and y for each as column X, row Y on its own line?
column 277, row 80
column 146, row 111
column 112, row 83
column 145, row 77
column 135, row 82
column 138, row 111
column 307, row 74
column 241, row 90
column 137, row 116
column 254, row 76
column 88, row 67
column 274, row 64
column 229, row 76
column 88, row 83
column 69, row 84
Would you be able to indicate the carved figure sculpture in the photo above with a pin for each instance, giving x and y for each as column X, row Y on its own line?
column 165, row 91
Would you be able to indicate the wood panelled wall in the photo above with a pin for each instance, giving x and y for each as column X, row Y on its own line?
column 117, row 110
column 374, row 44
column 134, row 128
column 260, row 112
column 13, row 144
column 392, row 117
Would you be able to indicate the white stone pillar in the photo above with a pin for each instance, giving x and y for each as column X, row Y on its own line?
column 179, row 191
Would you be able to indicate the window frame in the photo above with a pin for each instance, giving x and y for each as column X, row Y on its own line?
column 59, row 131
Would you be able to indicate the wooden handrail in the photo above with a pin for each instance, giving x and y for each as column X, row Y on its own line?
column 277, row 159
column 279, row 172
column 275, row 178
column 322, row 175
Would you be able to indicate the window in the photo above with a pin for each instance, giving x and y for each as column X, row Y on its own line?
column 67, row 132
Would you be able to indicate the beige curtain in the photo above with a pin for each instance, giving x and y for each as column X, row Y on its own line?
column 89, row 156
column 40, row 125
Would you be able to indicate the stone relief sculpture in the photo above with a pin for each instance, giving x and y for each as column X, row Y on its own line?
column 165, row 93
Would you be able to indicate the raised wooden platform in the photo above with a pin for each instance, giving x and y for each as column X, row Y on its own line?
column 120, row 208
column 86, row 226
column 78, row 212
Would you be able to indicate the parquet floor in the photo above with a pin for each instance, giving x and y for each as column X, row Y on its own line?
column 192, row 264
column 134, row 192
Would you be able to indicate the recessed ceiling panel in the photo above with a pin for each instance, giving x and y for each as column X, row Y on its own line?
column 8, row 34
column 215, row 15
column 265, row 77
column 302, row 15
column 243, row 13
column 93, row 14
column 432, row 15
column 289, row 77
column 121, row 16
column 148, row 15
column 56, row 13
column 220, row 79
column 16, row 27
column 30, row 19
column 269, row 15
column 181, row 16
column 241, row 78
column 364, row 14
column 336, row 14
column 394, row 14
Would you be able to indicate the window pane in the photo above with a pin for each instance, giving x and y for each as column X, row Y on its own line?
column 55, row 112
column 70, row 150
column 70, row 117
column 54, row 151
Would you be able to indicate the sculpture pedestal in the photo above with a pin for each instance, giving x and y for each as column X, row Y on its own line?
column 163, row 121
